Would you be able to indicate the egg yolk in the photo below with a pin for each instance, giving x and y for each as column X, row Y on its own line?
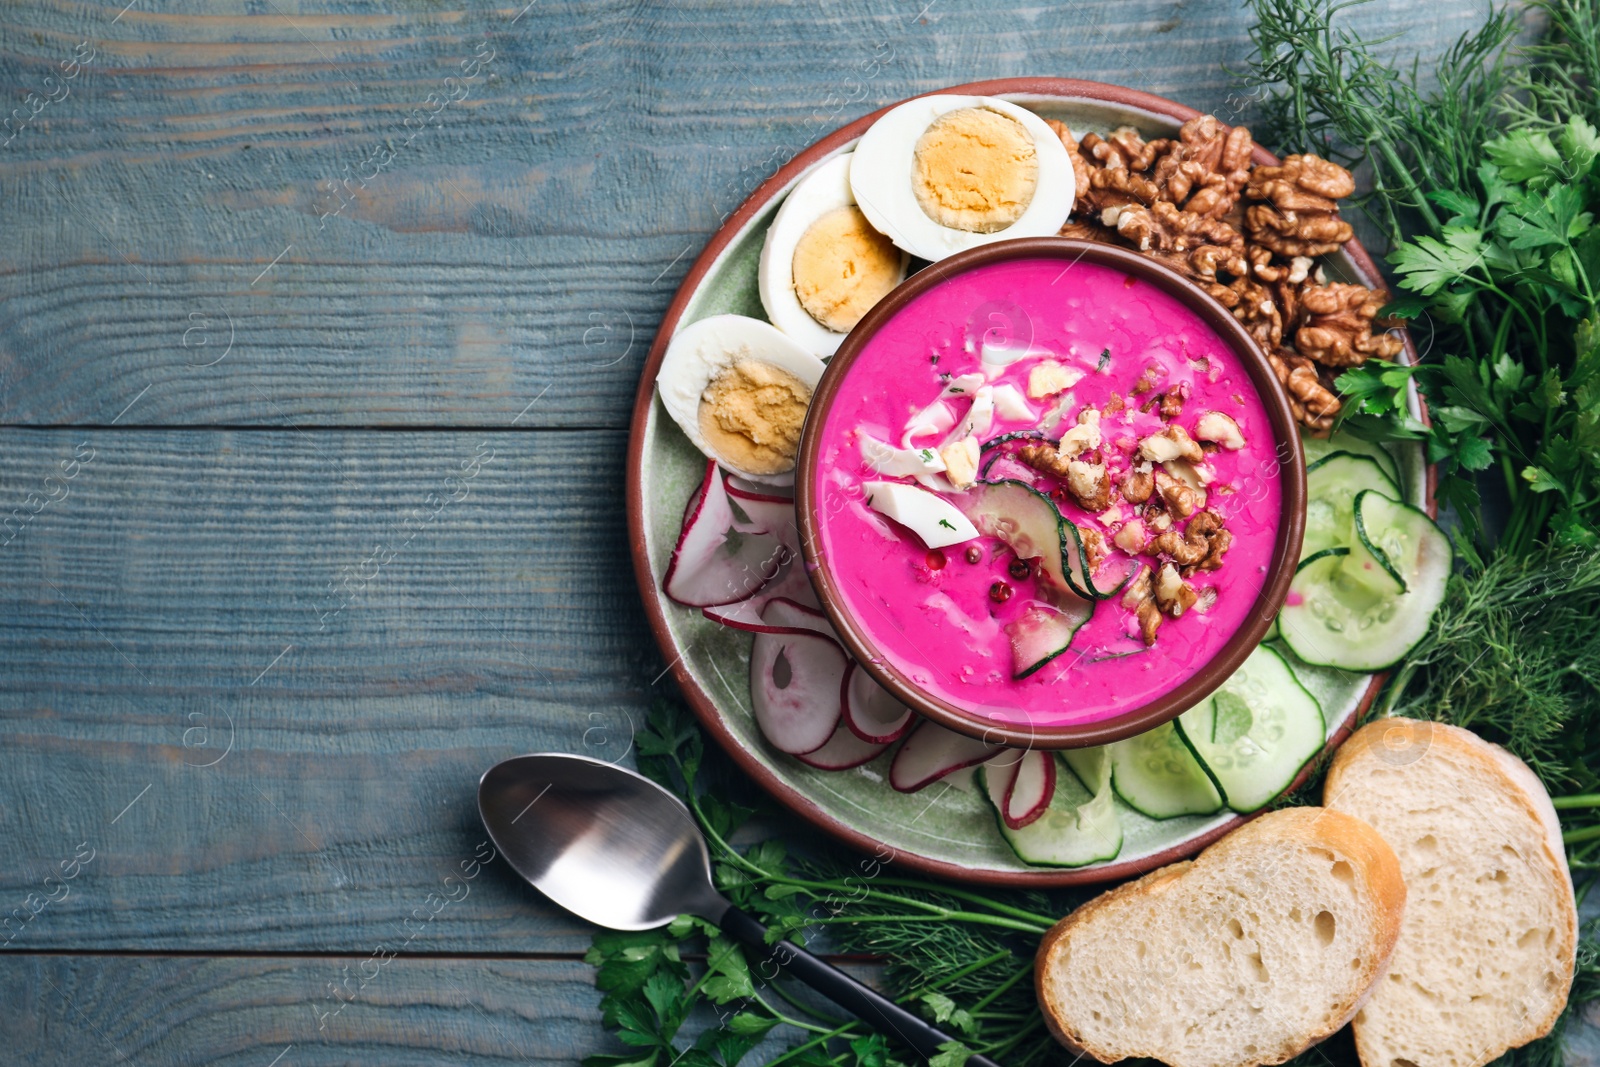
column 841, row 267
column 974, row 169
column 751, row 414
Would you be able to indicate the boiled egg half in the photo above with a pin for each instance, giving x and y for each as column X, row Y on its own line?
column 739, row 389
column 942, row 174
column 823, row 265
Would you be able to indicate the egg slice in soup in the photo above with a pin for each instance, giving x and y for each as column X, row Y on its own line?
column 823, row 265
column 942, row 174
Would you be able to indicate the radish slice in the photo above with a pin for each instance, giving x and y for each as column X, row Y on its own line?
column 930, row 752
column 1031, row 788
column 791, row 585
column 745, row 615
column 1000, row 770
column 775, row 517
column 693, row 504
column 795, row 677
column 793, row 616
column 715, row 562
column 745, row 489
column 870, row 711
column 843, row 751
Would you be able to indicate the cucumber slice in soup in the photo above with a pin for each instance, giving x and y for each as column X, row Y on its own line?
column 1075, row 829
column 1331, row 487
column 1333, row 620
column 1319, row 448
column 1042, row 632
column 1255, row 733
column 1377, row 532
column 1155, row 774
column 1034, row 527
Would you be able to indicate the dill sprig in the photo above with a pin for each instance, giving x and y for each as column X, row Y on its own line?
column 1332, row 93
column 961, row 957
column 1562, row 76
column 1487, row 190
column 1514, row 655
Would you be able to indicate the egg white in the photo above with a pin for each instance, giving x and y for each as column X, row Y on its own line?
column 700, row 350
column 882, row 165
column 825, row 188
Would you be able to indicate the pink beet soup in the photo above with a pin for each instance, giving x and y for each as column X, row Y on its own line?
column 940, row 616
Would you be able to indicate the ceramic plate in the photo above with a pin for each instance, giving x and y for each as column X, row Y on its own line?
column 947, row 829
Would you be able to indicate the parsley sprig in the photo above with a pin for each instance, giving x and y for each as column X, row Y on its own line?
column 1487, row 188
column 686, row 995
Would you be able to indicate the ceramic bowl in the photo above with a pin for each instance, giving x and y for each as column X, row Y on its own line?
column 1289, row 472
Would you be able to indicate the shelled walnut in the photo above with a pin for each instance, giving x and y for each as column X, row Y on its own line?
column 1245, row 234
column 1337, row 325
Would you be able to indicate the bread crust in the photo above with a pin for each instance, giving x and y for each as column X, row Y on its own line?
column 1377, row 741
column 1314, row 827
column 1055, row 937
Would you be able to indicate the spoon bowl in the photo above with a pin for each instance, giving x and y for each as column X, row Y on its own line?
column 613, row 847
column 608, row 845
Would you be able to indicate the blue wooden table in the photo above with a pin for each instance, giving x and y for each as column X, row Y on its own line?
column 319, row 326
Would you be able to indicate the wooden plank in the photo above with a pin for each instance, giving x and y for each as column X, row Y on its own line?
column 201, row 211
column 61, row 1010
column 256, row 1012
column 264, row 644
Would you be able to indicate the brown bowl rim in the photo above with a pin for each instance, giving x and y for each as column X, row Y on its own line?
column 706, row 710
column 1291, row 475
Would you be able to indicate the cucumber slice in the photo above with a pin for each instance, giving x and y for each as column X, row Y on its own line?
column 1155, row 774
column 1331, row 488
column 1377, row 532
column 1091, row 766
column 1042, row 632
column 1273, row 631
column 1319, row 448
column 1332, row 620
column 1338, row 552
column 1074, row 830
column 1034, row 527
column 1255, row 733
column 993, row 449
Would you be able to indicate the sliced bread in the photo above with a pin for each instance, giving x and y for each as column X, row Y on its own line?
column 1266, row 943
column 1486, row 950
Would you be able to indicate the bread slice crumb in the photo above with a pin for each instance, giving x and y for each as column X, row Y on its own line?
column 1488, row 945
column 1267, row 943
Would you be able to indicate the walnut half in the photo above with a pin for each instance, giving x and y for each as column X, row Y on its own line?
column 1174, row 596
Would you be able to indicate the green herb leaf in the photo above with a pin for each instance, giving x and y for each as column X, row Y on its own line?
column 1474, row 453
column 1428, row 265
column 599, row 1060
column 1463, row 205
column 944, row 1010
column 746, row 1024
column 1524, row 155
column 950, row 1054
column 1404, row 307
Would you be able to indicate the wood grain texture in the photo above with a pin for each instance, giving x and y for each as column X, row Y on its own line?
column 170, row 208
column 178, row 1012
column 251, row 670
column 270, row 604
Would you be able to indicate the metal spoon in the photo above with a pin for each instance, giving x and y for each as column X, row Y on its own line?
column 616, row 849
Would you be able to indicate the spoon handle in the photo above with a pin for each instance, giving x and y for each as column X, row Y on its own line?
column 873, row 1008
